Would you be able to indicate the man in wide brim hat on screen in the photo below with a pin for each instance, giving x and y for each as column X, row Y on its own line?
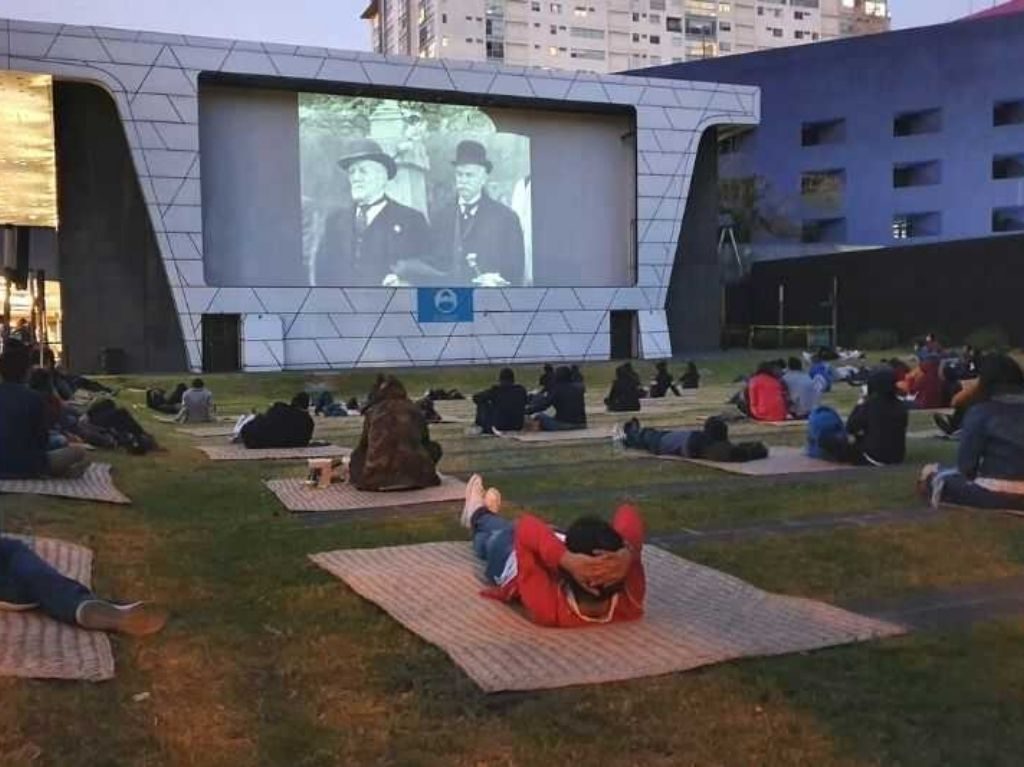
column 363, row 244
column 478, row 236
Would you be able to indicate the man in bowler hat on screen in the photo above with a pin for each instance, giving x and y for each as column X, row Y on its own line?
column 364, row 244
column 478, row 240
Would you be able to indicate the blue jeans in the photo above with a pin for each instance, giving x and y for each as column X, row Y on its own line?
column 956, row 488
column 550, row 423
column 493, row 541
column 25, row 579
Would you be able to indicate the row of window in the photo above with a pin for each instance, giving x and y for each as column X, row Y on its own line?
column 914, row 123
column 823, row 184
column 908, row 226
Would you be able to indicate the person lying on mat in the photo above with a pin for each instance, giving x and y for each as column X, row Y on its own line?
column 281, row 426
column 24, row 438
column 567, row 399
column 27, row 582
column 197, row 404
column 502, row 406
column 626, row 392
column 990, row 459
column 395, row 451
column 877, row 427
column 711, row 443
column 592, row 575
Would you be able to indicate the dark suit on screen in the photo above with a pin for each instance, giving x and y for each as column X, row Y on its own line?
column 493, row 232
column 345, row 257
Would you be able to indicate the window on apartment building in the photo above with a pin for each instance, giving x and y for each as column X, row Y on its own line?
column 798, row 34
column 495, row 50
column 536, row 25
column 580, row 11
column 1008, row 113
column 776, row 32
column 815, row 36
column 823, row 187
column 535, row 7
column 725, row 26
column 585, row 53
column 917, row 123
column 926, row 173
column 673, row 24
column 654, row 18
column 553, row 51
column 655, row 39
column 444, row 41
column 760, row 10
column 823, row 230
column 677, row 41
column 725, row 47
column 636, row 37
column 1008, row 166
column 444, row 18
column 804, row 3
column 724, row 8
column 1008, row 219
column 589, row 34
column 908, row 226
column 556, row 7
column 636, row 17
column 700, row 26
column 799, row 15
column 554, row 29
column 657, row 5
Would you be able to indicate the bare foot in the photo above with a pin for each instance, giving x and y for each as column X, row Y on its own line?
column 474, row 498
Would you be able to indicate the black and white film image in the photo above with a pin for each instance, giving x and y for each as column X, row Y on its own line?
column 406, row 193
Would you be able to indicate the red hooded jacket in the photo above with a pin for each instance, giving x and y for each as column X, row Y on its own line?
column 539, row 583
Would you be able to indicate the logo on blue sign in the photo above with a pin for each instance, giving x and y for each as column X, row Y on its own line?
column 445, row 304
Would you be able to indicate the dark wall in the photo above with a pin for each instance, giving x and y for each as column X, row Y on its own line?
column 114, row 290
column 951, row 288
column 693, row 304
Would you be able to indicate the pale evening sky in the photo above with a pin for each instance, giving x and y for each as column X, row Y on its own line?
column 330, row 23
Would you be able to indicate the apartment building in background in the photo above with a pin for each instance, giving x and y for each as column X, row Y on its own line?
column 611, row 35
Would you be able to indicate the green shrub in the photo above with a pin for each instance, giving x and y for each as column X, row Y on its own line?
column 877, row 340
column 989, row 338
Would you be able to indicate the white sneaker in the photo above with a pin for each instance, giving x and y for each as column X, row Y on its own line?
column 473, row 500
column 618, row 435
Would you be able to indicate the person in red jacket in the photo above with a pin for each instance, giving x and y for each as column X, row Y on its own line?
column 926, row 384
column 766, row 396
column 591, row 575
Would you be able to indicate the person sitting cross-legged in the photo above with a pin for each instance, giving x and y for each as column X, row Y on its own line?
column 27, row 582
column 395, row 451
column 197, row 404
column 877, row 426
column 592, row 575
column 626, row 391
column 663, row 382
column 503, row 406
column 990, row 458
column 567, row 399
column 24, row 437
column 711, row 443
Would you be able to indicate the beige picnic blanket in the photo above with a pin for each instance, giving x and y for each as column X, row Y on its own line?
column 780, row 460
column 242, row 453
column 695, row 616
column 296, row 495
column 95, row 485
column 572, row 435
column 35, row 646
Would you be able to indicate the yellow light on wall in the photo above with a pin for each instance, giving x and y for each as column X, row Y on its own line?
column 28, row 165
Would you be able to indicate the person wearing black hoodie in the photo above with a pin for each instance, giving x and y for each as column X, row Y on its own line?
column 503, row 406
column 625, row 394
column 690, row 379
column 878, row 425
column 663, row 381
column 710, row 443
column 567, row 399
column 281, row 426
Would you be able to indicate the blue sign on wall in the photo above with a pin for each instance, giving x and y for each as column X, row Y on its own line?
column 445, row 304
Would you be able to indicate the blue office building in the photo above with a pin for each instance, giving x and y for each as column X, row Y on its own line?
column 899, row 138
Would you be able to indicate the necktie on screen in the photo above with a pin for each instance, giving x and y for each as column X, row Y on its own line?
column 361, row 219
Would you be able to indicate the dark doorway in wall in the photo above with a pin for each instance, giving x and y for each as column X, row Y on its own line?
column 624, row 331
column 114, row 288
column 222, row 343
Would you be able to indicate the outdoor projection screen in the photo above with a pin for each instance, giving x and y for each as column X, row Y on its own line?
column 336, row 190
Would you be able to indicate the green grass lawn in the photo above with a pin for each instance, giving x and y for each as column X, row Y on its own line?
column 269, row 661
